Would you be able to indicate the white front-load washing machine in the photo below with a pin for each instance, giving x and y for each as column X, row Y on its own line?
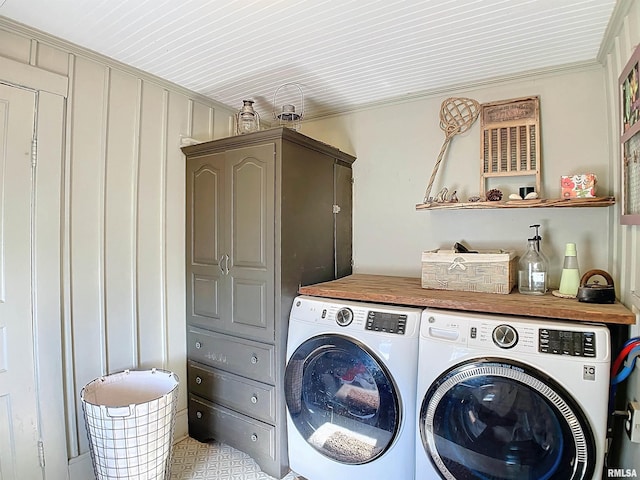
column 510, row 398
column 350, row 388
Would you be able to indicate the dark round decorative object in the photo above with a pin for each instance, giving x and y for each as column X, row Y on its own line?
column 494, row 195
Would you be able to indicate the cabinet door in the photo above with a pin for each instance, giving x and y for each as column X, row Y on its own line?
column 343, row 219
column 230, row 241
column 206, row 233
column 250, row 220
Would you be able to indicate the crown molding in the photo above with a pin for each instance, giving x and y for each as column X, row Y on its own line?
column 615, row 26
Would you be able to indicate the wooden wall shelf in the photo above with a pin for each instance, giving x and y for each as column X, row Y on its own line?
column 535, row 203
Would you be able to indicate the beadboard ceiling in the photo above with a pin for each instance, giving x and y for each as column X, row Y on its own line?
column 345, row 54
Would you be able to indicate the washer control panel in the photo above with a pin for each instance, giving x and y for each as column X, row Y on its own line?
column 565, row 342
column 386, row 322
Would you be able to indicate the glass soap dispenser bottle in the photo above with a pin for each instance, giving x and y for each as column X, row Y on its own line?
column 533, row 268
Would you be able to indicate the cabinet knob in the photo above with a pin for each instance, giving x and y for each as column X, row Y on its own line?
column 198, row 380
column 254, row 398
column 199, row 414
column 198, row 345
column 254, row 359
column 254, row 437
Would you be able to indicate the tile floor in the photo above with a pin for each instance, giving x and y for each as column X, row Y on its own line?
column 214, row 461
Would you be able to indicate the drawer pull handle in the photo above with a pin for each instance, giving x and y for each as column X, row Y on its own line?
column 198, row 345
column 254, row 359
column 254, row 399
column 198, row 380
column 254, row 437
column 199, row 414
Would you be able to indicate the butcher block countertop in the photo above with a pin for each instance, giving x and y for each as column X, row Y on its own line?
column 408, row 291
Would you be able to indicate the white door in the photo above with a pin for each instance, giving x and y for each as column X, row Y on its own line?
column 19, row 424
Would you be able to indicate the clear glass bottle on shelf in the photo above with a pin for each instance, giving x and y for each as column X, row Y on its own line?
column 533, row 268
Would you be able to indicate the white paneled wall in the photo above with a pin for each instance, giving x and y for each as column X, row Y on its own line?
column 122, row 260
column 126, row 224
column 624, row 37
column 615, row 53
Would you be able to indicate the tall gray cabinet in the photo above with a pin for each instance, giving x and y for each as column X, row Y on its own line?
column 266, row 212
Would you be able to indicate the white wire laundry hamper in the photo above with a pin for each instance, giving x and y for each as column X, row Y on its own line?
column 130, row 418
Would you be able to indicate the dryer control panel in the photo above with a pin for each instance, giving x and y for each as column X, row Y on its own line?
column 565, row 342
column 516, row 335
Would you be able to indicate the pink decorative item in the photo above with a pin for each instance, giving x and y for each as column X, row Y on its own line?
column 579, row 186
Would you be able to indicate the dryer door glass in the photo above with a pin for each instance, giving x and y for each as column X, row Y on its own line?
column 504, row 421
column 342, row 399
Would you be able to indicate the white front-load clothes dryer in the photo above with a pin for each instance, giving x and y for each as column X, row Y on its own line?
column 350, row 388
column 506, row 398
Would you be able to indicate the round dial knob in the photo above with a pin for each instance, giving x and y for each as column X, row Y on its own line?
column 344, row 317
column 505, row 336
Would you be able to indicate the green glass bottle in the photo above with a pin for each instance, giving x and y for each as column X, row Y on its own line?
column 570, row 279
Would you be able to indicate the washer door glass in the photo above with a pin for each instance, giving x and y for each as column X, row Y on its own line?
column 342, row 399
column 493, row 420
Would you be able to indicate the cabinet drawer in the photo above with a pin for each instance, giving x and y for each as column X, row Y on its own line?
column 211, row 421
column 243, row 357
column 242, row 394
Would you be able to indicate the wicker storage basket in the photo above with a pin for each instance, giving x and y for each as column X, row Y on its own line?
column 491, row 271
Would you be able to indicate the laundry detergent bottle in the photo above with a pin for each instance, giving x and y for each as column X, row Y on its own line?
column 533, row 268
column 570, row 279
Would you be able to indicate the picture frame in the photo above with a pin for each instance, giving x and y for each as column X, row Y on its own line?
column 629, row 89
